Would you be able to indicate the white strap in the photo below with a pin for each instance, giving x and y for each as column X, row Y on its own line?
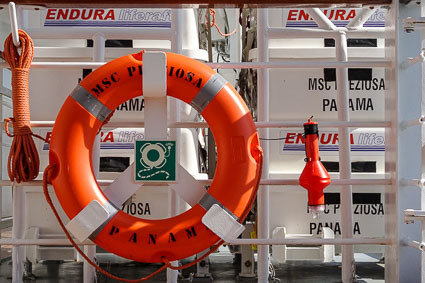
column 188, row 188
column 222, row 223
column 122, row 188
column 90, row 219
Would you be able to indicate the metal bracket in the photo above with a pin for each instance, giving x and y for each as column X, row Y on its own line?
column 203, row 267
column 247, row 254
column 414, row 244
column 412, row 182
column 410, row 123
column 411, row 24
column 411, row 215
column 413, row 60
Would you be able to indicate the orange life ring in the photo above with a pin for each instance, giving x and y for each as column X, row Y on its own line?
column 237, row 173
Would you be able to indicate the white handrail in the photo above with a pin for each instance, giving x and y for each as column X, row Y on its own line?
column 42, row 242
column 230, row 65
column 267, row 181
column 304, row 242
column 280, row 32
column 309, row 242
column 258, row 125
column 334, row 182
column 109, row 33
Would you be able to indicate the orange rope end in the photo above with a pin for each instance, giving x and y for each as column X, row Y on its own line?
column 6, row 126
column 213, row 24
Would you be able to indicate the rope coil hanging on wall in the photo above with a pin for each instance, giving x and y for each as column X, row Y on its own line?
column 23, row 161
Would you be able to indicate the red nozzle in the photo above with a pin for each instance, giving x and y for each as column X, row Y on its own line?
column 314, row 177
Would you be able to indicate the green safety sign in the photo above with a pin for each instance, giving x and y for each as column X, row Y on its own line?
column 155, row 161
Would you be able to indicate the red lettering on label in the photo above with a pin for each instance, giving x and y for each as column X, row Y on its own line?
column 83, row 14
column 51, row 13
column 322, row 138
column 289, row 137
column 98, row 14
column 74, row 14
column 334, row 15
column 109, row 137
column 87, row 16
column 351, row 14
column 335, row 140
column 110, row 15
column 62, row 13
column 292, row 15
column 340, row 14
column 303, row 15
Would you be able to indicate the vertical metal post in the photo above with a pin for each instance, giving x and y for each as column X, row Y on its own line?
column 89, row 273
column 263, row 116
column 247, row 254
column 203, row 267
column 391, row 140
column 1, row 155
column 211, row 141
column 177, row 29
column 422, row 95
column 18, row 228
column 344, row 157
column 235, row 40
column 344, row 145
column 99, row 47
column 403, row 152
column 422, row 78
column 176, row 47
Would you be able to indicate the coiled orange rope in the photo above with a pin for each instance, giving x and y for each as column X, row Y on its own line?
column 23, row 162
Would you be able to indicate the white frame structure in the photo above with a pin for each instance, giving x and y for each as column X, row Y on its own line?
column 403, row 161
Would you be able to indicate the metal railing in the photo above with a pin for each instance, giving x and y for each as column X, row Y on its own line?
column 264, row 34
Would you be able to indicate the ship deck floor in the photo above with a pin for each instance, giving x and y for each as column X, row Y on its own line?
column 222, row 267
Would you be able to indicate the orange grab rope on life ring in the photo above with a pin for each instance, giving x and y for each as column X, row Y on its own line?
column 238, row 153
